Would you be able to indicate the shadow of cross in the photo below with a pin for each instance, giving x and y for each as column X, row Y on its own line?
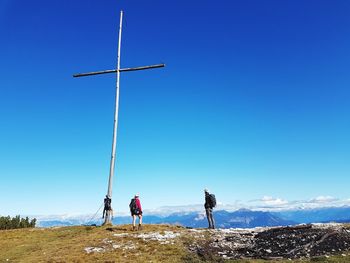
column 107, row 212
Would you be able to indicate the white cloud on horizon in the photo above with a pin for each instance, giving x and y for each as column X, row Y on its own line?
column 272, row 204
column 323, row 199
column 269, row 200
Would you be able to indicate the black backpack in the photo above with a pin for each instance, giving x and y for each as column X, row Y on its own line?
column 108, row 203
column 132, row 206
column 212, row 200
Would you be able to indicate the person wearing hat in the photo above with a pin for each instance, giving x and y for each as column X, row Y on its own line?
column 136, row 210
column 210, row 203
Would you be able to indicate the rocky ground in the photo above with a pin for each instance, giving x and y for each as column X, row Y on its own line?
column 303, row 241
column 127, row 241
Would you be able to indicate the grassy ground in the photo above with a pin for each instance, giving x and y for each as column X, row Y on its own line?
column 68, row 244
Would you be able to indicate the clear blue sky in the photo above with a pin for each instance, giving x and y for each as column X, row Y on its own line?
column 254, row 101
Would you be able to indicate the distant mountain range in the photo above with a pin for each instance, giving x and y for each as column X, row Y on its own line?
column 242, row 218
column 319, row 215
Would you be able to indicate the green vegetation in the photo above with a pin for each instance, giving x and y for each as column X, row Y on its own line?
column 16, row 222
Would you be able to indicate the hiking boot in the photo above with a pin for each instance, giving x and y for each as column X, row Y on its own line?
column 139, row 227
column 133, row 228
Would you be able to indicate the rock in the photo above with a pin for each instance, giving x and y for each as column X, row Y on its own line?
column 94, row 249
column 304, row 241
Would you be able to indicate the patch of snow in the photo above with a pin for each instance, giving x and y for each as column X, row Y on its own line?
column 156, row 236
column 121, row 235
column 241, row 230
column 129, row 245
column 106, row 241
column 115, row 246
column 94, row 249
column 196, row 230
column 327, row 225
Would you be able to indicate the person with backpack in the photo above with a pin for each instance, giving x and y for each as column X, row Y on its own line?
column 210, row 203
column 136, row 210
column 107, row 206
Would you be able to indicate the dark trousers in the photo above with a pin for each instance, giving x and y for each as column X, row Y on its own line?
column 209, row 212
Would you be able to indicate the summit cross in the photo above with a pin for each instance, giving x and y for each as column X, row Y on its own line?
column 108, row 217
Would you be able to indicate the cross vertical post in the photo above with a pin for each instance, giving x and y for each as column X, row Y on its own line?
column 108, row 218
column 108, row 209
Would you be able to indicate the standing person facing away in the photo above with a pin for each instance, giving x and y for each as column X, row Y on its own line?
column 136, row 210
column 210, row 203
column 107, row 206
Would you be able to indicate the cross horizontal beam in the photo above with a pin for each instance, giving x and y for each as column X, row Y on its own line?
column 116, row 70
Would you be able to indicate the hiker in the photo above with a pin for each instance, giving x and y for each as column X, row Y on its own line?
column 108, row 206
column 210, row 203
column 136, row 210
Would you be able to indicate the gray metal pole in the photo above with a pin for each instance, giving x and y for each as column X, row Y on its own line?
column 115, row 70
column 108, row 218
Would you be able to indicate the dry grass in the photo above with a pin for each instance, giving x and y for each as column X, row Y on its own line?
column 67, row 244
